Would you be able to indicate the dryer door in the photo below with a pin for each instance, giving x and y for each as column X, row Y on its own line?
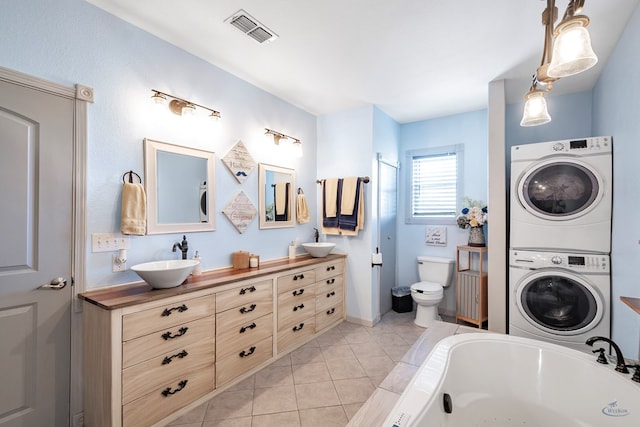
column 560, row 190
column 559, row 302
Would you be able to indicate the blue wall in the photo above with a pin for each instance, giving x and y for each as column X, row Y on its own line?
column 616, row 100
column 71, row 41
column 469, row 129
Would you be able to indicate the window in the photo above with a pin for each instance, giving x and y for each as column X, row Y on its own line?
column 434, row 182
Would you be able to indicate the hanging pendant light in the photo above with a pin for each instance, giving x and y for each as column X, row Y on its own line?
column 572, row 51
column 535, row 108
column 568, row 53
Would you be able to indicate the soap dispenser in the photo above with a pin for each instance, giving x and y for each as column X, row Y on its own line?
column 197, row 270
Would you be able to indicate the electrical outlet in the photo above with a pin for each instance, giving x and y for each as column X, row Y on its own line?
column 116, row 266
column 108, row 242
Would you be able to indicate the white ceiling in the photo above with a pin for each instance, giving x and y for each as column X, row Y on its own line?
column 415, row 59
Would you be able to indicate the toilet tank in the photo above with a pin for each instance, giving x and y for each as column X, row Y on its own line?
column 435, row 269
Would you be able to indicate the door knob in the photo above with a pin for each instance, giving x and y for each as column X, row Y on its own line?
column 56, row 284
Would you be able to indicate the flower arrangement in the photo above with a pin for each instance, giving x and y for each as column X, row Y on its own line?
column 474, row 214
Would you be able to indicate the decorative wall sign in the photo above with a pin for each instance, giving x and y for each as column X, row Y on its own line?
column 436, row 236
column 240, row 212
column 239, row 161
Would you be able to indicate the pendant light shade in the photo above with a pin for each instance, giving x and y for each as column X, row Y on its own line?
column 572, row 51
column 535, row 109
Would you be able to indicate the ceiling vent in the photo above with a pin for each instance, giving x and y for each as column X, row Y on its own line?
column 251, row 27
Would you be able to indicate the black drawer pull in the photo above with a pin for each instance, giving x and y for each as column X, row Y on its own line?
column 167, row 391
column 244, row 310
column 244, row 328
column 181, row 355
column 330, row 268
column 249, row 289
column 331, row 281
column 298, row 307
column 296, row 293
column 181, row 332
column 167, row 311
column 330, row 312
column 330, row 294
column 298, row 276
column 247, row 353
column 298, row 328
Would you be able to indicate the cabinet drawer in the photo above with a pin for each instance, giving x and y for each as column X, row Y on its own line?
column 244, row 314
column 296, row 310
column 291, row 296
column 291, row 336
column 248, row 358
column 167, row 340
column 329, row 316
column 330, row 283
column 155, row 319
column 329, row 269
column 295, row 281
column 139, row 379
column 168, row 398
column 234, row 340
column 243, row 295
column 328, row 298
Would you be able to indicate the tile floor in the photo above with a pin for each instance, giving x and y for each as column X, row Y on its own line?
column 327, row 380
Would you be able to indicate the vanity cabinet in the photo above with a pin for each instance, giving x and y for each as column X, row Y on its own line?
column 244, row 336
column 329, row 294
column 296, row 309
column 151, row 355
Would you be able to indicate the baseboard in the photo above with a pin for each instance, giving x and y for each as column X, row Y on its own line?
column 359, row 321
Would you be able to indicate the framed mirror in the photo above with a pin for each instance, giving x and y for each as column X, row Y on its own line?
column 276, row 196
column 180, row 186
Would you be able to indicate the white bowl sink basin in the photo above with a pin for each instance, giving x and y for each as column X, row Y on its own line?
column 319, row 249
column 165, row 274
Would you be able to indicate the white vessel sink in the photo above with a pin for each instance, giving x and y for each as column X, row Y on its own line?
column 319, row 249
column 165, row 274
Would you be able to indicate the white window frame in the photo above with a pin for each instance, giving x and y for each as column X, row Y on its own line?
column 458, row 150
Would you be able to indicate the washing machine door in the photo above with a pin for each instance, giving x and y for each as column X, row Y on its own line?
column 560, row 190
column 559, row 303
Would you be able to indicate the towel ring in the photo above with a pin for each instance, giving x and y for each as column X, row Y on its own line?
column 131, row 174
column 300, row 191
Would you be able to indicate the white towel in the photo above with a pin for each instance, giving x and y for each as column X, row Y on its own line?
column 349, row 186
column 331, row 197
column 302, row 209
column 134, row 210
column 281, row 198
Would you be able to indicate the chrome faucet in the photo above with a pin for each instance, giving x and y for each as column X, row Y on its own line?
column 316, row 234
column 620, row 364
column 184, row 247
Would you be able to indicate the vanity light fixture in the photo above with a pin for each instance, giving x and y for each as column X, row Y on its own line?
column 182, row 107
column 568, row 54
column 278, row 137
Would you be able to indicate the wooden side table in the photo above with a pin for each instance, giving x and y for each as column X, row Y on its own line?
column 471, row 286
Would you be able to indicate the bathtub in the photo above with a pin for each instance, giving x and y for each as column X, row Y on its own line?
column 501, row 380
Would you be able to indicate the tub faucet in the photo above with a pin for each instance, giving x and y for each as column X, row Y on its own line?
column 184, row 247
column 620, row 364
column 316, row 234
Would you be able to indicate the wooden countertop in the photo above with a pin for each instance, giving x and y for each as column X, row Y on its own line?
column 634, row 303
column 120, row 296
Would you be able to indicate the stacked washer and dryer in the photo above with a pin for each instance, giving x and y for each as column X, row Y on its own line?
column 560, row 241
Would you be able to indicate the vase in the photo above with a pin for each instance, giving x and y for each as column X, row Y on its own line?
column 476, row 237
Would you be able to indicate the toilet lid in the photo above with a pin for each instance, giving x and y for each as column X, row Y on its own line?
column 427, row 287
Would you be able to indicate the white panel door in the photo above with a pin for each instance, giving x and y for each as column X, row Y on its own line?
column 36, row 217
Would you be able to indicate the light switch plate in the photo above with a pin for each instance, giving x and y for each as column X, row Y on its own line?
column 108, row 242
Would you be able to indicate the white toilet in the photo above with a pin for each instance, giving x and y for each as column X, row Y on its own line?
column 435, row 275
